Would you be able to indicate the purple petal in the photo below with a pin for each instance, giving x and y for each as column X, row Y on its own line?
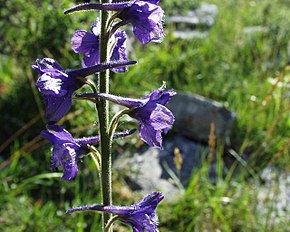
column 119, row 51
column 146, row 19
column 50, row 63
column 157, row 93
column 161, row 118
column 135, row 229
column 56, row 134
column 64, row 150
column 152, row 200
column 160, row 96
column 91, row 58
column 83, row 42
column 88, row 44
column 57, row 107
column 42, row 65
column 150, row 136
column 65, row 155
column 166, row 97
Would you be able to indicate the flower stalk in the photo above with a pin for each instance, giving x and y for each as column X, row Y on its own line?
column 104, row 48
column 115, row 121
column 103, row 113
column 110, row 223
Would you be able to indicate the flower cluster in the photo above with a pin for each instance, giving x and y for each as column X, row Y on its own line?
column 67, row 150
column 150, row 112
column 59, row 86
column 87, row 44
column 145, row 16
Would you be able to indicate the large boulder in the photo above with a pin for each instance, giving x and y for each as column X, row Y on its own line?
column 155, row 170
column 194, row 115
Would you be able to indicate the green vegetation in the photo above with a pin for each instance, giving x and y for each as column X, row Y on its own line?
column 247, row 72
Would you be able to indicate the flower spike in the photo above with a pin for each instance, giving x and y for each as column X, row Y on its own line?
column 141, row 216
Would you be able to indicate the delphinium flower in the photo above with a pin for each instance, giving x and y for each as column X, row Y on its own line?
column 144, row 15
column 153, row 117
column 146, row 18
column 87, row 44
column 141, row 216
column 58, row 85
column 67, row 150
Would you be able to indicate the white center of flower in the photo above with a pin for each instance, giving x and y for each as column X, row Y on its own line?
column 71, row 151
column 51, row 84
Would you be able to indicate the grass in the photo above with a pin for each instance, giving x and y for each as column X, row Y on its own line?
column 246, row 72
column 228, row 205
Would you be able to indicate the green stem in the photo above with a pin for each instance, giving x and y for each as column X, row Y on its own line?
column 103, row 113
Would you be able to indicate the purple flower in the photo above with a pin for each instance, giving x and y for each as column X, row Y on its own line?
column 67, row 150
column 87, row 43
column 144, row 15
column 154, row 118
column 141, row 216
column 146, row 18
column 58, row 86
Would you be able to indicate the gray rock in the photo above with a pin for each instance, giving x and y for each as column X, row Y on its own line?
column 191, row 154
column 143, row 173
column 274, row 194
column 194, row 115
column 155, row 170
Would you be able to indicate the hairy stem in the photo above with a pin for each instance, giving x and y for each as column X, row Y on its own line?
column 103, row 113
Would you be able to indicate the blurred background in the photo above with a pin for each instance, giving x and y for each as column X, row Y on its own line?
column 235, row 52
